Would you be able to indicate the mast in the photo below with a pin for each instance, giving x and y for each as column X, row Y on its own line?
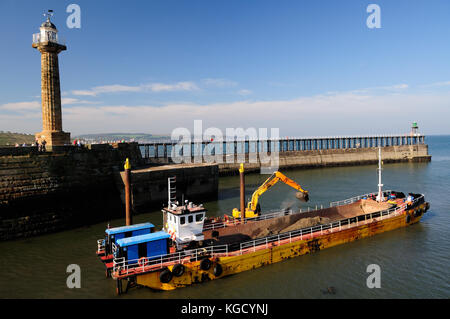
column 380, row 185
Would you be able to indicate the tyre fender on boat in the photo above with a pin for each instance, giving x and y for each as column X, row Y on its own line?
column 205, row 264
column 218, row 270
column 165, row 276
column 418, row 212
column 178, row 270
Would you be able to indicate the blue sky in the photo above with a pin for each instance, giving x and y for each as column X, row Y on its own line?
column 306, row 67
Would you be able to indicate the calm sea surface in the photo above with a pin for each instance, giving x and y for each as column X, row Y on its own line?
column 414, row 261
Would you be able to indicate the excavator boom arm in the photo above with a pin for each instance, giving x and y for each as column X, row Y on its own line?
column 272, row 180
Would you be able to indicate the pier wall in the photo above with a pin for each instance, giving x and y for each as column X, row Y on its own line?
column 66, row 188
column 229, row 164
column 339, row 157
column 195, row 182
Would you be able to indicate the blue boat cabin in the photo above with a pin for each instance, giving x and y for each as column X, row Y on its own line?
column 114, row 234
column 149, row 245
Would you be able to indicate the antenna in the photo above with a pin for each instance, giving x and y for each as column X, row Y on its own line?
column 172, row 191
column 380, row 186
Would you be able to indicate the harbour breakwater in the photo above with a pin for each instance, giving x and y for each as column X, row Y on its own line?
column 291, row 153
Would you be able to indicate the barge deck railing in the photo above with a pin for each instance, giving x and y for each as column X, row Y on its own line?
column 237, row 221
column 100, row 245
column 278, row 213
column 124, row 268
column 355, row 199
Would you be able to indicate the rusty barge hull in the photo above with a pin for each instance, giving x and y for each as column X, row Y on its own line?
column 267, row 253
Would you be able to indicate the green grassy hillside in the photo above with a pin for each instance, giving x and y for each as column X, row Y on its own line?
column 9, row 138
column 138, row 137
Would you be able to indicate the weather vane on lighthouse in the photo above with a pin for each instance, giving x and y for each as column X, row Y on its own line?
column 48, row 14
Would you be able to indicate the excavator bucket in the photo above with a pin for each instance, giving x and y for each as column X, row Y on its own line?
column 304, row 197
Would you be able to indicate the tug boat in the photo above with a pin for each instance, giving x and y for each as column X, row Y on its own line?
column 193, row 249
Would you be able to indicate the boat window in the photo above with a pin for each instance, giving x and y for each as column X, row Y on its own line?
column 190, row 219
column 198, row 217
column 142, row 250
column 182, row 220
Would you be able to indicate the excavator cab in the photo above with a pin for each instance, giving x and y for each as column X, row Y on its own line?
column 253, row 208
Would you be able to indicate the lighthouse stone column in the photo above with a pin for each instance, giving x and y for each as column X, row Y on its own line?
column 47, row 43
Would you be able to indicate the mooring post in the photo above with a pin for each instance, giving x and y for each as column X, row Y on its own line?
column 242, row 191
column 127, row 183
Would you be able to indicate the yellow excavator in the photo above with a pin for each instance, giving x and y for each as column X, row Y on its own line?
column 253, row 209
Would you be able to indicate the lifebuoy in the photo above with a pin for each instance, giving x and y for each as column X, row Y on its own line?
column 178, row 270
column 143, row 261
column 165, row 276
column 172, row 234
column 205, row 264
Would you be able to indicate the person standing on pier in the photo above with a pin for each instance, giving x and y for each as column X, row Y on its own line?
column 43, row 145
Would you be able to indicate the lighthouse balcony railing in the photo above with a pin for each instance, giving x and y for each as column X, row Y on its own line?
column 38, row 38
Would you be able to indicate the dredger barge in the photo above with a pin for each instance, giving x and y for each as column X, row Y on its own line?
column 193, row 249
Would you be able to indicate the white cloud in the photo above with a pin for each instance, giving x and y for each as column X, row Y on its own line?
column 21, row 106
column 220, row 83
column 68, row 101
column 437, row 84
column 244, row 92
column 154, row 87
column 180, row 86
column 399, row 86
column 345, row 113
column 334, row 113
column 396, row 88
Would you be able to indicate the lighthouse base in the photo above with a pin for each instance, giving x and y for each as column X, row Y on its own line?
column 53, row 138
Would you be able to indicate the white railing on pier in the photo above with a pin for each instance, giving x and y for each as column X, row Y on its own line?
column 123, row 267
column 230, row 147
